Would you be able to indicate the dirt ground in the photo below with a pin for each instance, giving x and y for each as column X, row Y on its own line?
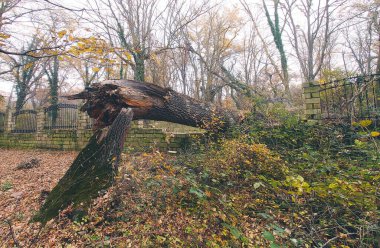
column 22, row 191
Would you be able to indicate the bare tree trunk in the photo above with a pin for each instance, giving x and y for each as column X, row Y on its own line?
column 378, row 56
column 277, row 36
column 139, row 70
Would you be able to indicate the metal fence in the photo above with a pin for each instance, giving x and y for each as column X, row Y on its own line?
column 61, row 116
column 2, row 122
column 25, row 121
column 351, row 98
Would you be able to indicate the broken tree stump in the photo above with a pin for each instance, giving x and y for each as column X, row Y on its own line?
column 92, row 171
column 114, row 104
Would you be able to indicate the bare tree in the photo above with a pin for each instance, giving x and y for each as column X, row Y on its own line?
column 366, row 45
column 140, row 29
column 277, row 62
column 86, row 72
column 6, row 17
column 27, row 75
column 312, row 40
column 211, row 39
column 253, row 59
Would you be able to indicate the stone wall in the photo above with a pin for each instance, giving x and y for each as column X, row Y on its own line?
column 138, row 139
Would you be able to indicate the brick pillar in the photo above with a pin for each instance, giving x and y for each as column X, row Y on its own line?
column 40, row 120
column 83, row 121
column 83, row 132
column 9, row 122
column 312, row 108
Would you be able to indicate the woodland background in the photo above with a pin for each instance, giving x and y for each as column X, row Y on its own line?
column 273, row 181
column 212, row 50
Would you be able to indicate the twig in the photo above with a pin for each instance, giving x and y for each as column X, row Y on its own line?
column 63, row 7
column 35, row 239
column 332, row 239
column 11, row 231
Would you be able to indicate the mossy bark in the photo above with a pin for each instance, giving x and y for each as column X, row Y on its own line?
column 92, row 171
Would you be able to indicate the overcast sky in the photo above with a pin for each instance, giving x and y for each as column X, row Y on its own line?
column 23, row 29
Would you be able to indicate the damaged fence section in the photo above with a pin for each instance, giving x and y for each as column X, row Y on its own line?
column 349, row 99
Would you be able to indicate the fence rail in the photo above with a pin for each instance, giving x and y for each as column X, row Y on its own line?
column 61, row 116
column 351, row 98
column 25, row 121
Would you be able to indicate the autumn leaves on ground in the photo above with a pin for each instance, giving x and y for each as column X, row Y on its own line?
column 291, row 185
column 23, row 191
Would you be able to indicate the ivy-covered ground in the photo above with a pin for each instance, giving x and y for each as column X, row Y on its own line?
column 273, row 182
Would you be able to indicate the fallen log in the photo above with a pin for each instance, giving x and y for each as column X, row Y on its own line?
column 114, row 104
column 148, row 101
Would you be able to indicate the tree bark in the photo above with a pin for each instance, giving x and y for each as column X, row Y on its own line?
column 148, row 101
column 91, row 172
column 139, row 69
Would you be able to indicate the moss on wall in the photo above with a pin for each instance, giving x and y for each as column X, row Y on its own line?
column 138, row 139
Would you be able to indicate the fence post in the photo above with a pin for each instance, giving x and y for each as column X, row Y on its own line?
column 312, row 108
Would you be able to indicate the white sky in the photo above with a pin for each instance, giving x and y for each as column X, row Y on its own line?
column 23, row 29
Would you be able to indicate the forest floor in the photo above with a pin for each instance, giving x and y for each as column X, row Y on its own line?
column 141, row 210
column 293, row 185
column 22, row 190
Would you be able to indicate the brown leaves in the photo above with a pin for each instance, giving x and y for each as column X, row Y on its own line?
column 22, row 196
column 151, row 204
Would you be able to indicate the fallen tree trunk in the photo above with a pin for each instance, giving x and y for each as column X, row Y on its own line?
column 148, row 101
column 113, row 104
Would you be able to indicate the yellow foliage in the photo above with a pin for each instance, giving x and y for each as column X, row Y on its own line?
column 81, row 45
column 95, row 69
column 375, row 134
column 28, row 66
column 71, row 38
column 238, row 158
column 298, row 183
column 4, row 36
column 321, row 81
column 2, row 101
column 128, row 55
column 62, row 33
column 365, row 123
